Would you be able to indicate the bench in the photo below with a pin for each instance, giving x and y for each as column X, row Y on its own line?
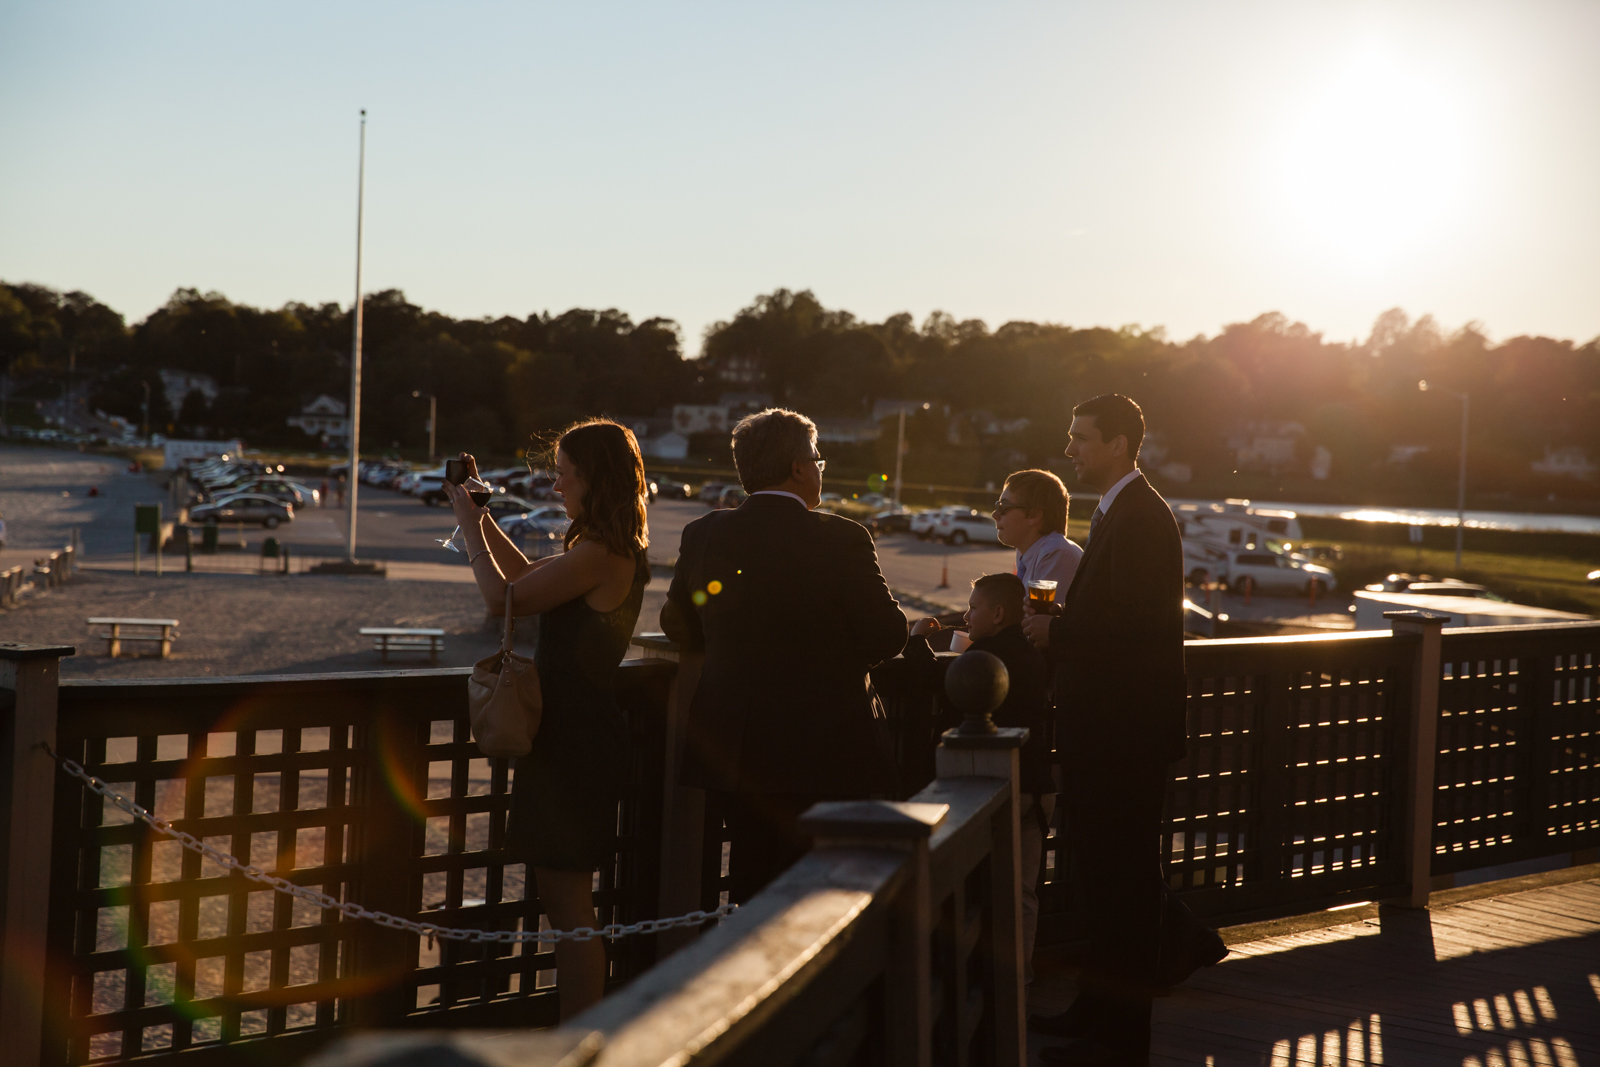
column 387, row 639
column 159, row 631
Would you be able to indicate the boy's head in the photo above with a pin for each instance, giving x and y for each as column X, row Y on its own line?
column 996, row 603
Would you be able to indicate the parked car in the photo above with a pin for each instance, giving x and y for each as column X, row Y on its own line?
column 532, row 485
column 504, row 505
column 1594, row 577
column 1428, row 586
column 923, row 522
column 671, row 488
column 711, row 492
column 967, row 524
column 501, row 477
column 429, row 488
column 731, row 497
column 895, row 520
column 290, row 492
column 245, row 507
column 1397, row 583
column 540, row 521
column 1203, row 562
column 1269, row 572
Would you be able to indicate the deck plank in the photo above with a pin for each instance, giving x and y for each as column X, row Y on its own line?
column 1498, row 979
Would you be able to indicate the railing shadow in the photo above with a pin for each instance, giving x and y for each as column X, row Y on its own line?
column 1394, row 990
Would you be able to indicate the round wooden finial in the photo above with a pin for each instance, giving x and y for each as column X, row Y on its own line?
column 977, row 683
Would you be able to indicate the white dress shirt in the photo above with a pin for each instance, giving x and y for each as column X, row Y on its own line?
column 1110, row 495
column 1052, row 557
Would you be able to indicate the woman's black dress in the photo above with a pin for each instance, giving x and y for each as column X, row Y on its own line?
column 564, row 799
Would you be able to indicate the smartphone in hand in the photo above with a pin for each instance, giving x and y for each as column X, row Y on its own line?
column 455, row 471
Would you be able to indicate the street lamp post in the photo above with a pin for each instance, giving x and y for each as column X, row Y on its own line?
column 433, row 422
column 353, row 476
column 900, row 452
column 1461, row 480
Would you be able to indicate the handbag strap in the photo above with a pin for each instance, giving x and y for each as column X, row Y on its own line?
column 505, row 640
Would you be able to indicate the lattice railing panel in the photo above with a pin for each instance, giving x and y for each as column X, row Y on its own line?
column 1341, row 768
column 1518, row 772
column 1572, row 734
column 1288, row 790
column 357, row 786
column 1211, row 798
column 1481, row 766
column 170, row 951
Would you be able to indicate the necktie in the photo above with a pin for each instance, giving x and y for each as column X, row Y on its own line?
column 1094, row 520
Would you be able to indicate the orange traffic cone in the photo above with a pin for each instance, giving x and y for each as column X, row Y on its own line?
column 944, row 575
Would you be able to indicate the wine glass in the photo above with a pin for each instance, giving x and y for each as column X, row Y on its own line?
column 480, row 492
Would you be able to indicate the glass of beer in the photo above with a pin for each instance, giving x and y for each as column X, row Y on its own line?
column 1041, row 594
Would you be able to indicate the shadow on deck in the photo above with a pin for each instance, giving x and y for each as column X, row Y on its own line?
column 1501, row 980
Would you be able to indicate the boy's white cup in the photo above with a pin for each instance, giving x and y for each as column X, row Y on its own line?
column 959, row 641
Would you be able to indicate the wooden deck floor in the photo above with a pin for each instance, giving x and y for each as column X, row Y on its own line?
column 1499, row 981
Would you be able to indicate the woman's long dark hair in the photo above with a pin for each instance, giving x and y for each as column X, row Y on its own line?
column 614, row 496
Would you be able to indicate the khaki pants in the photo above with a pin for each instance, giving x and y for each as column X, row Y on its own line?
column 1032, row 844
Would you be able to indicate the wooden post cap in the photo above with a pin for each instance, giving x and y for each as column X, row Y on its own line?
column 1416, row 616
column 885, row 819
column 17, row 650
column 1003, row 737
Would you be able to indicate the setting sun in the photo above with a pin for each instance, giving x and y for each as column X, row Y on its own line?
column 1374, row 163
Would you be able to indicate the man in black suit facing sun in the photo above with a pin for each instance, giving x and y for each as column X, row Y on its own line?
column 1117, row 649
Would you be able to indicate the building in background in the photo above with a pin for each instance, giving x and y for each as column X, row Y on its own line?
column 178, row 384
column 325, row 419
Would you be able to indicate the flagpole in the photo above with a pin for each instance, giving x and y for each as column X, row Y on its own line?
column 353, row 477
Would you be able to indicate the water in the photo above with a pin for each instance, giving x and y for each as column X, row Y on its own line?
column 1522, row 522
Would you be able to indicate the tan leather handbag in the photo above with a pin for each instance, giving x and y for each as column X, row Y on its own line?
column 504, row 700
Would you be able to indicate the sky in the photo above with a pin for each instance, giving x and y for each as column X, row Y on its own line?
column 1173, row 164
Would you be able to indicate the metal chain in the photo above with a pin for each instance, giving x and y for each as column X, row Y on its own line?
column 356, row 911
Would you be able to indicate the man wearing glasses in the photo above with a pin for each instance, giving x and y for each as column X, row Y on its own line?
column 1031, row 517
column 784, row 610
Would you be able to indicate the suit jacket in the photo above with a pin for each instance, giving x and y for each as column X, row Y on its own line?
column 1027, row 701
column 791, row 611
column 1118, row 643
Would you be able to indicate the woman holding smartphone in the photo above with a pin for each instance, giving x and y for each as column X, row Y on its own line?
column 564, row 800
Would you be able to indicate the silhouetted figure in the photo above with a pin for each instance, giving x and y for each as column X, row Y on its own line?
column 1117, row 645
column 789, row 610
column 994, row 623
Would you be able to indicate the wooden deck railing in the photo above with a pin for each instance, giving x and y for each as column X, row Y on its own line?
column 896, row 940
column 1321, row 770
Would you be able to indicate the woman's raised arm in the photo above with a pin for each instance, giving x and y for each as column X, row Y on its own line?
column 537, row 586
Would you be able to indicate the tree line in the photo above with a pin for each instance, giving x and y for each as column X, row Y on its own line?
column 501, row 382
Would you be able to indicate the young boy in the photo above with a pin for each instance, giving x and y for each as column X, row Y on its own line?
column 994, row 623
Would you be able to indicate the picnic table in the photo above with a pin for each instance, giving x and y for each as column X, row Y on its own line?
column 386, row 639
column 157, row 631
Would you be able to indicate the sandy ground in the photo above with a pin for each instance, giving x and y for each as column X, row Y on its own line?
column 243, row 624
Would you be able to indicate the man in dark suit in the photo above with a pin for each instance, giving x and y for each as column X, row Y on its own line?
column 790, row 612
column 1117, row 646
